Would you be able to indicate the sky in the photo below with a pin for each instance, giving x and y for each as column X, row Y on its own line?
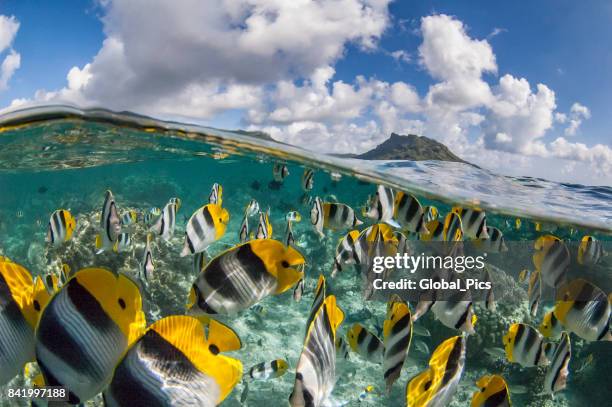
column 521, row 88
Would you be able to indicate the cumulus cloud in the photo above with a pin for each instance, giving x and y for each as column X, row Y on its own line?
column 577, row 114
column 159, row 52
column 521, row 114
column 8, row 30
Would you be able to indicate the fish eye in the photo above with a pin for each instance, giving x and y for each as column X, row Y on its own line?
column 121, row 303
column 427, row 385
column 285, row 264
column 214, row 349
column 482, row 389
column 220, row 219
column 36, row 305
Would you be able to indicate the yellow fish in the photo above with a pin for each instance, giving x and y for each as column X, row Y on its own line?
column 86, row 329
column 177, row 360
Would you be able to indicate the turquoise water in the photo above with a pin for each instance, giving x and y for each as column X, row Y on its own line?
column 67, row 161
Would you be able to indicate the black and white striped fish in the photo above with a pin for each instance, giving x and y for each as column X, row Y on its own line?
column 307, row 179
column 176, row 362
column 558, row 371
column 364, row 343
column 216, row 195
column 473, row 221
column 85, row 330
column 525, row 345
column 206, row 225
column 317, row 217
column 289, row 237
column 243, row 233
column 584, row 309
column 110, row 224
column 380, row 206
column 280, row 172
column 264, row 227
column 590, row 251
column 431, row 213
column 123, row 243
column 268, row 370
column 552, row 259
column 409, row 213
column 397, row 334
column 244, row 275
column 315, row 375
column 129, row 217
column 345, row 251
column 339, row 216
column 342, row 349
column 252, row 208
column 166, row 223
column 534, row 293
column 495, row 243
column 298, row 290
column 61, row 227
column 147, row 267
column 437, row 385
column 456, row 313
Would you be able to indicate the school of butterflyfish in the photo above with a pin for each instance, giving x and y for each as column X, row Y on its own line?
column 86, row 330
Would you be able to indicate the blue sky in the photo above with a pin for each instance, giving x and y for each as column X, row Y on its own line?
column 123, row 55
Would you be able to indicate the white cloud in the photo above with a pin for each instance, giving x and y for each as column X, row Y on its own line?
column 401, row 56
column 10, row 64
column 12, row 61
column 8, row 30
column 496, row 31
column 577, row 114
column 523, row 115
column 158, row 51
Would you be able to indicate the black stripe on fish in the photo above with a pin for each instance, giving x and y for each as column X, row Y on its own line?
column 333, row 208
column 463, row 316
column 452, row 363
column 498, row 399
column 362, row 335
column 216, row 275
column 208, row 218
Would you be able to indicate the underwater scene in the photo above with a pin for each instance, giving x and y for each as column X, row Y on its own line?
column 155, row 263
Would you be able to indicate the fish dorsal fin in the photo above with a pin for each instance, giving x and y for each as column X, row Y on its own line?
column 335, row 314
column 320, row 290
column 19, row 282
column 187, row 335
column 222, row 336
